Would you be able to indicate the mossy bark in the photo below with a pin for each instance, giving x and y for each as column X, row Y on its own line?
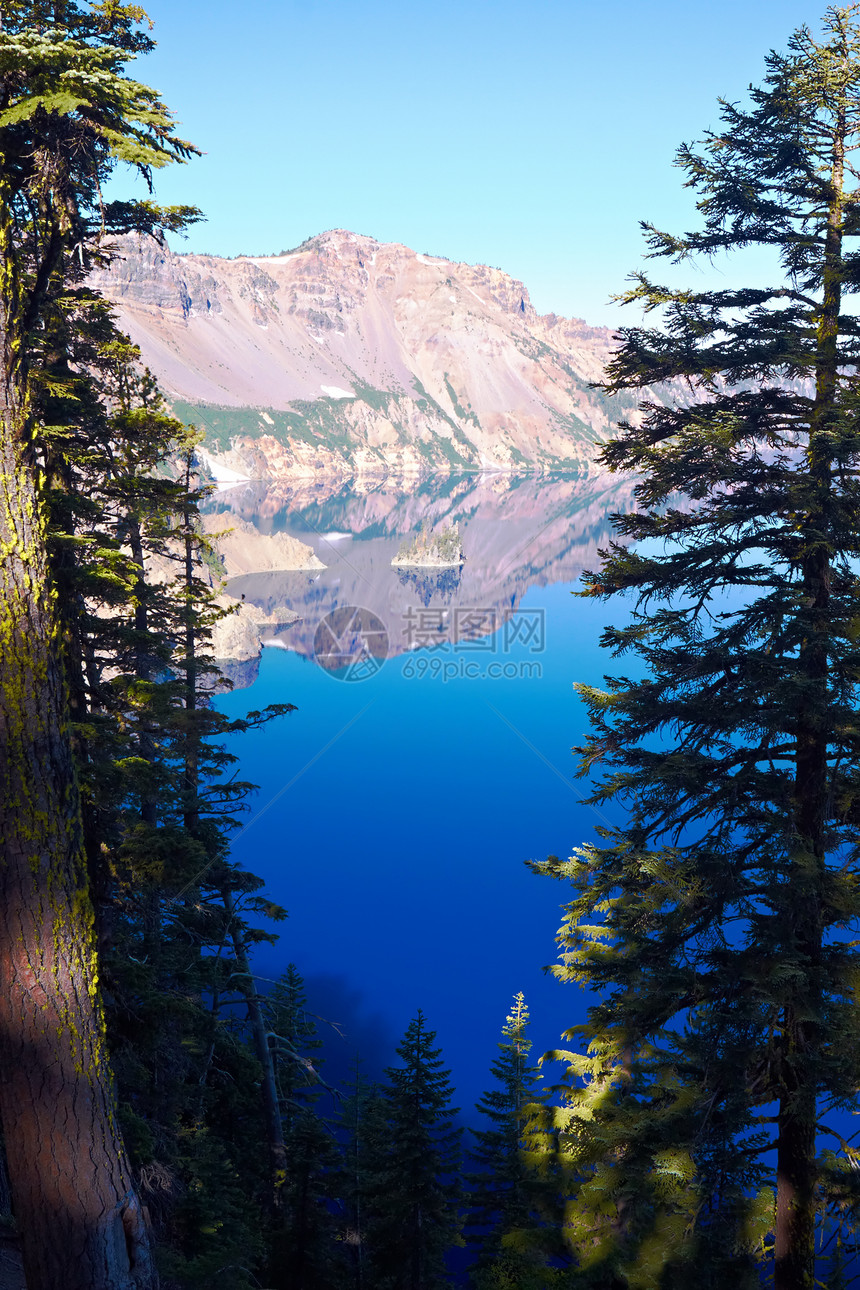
column 81, row 1224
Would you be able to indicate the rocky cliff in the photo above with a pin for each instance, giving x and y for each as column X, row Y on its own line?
column 351, row 357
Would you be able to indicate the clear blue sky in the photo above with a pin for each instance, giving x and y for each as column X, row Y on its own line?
column 528, row 134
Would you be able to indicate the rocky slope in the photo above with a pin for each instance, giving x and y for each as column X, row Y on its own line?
column 351, row 357
column 244, row 549
column 237, row 638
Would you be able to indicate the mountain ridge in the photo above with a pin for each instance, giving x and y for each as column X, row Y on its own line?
column 348, row 356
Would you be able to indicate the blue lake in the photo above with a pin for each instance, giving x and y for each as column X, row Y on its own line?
column 395, row 812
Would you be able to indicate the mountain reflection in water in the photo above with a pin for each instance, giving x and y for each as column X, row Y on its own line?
column 394, row 815
column 517, row 532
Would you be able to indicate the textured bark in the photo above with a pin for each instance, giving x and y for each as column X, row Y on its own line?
column 81, row 1223
column 794, row 1235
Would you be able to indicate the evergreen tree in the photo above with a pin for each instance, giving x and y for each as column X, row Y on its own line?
column 118, row 796
column 306, row 1252
column 159, row 798
column 715, row 925
column 364, row 1138
column 67, row 116
column 183, row 934
column 415, row 1190
column 511, row 1198
column 133, row 609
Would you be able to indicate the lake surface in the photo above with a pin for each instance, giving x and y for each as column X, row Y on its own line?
column 429, row 758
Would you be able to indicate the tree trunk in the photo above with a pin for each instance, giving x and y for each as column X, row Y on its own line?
column 191, row 811
column 794, row 1247
column 81, row 1223
column 797, row 1175
column 268, row 1088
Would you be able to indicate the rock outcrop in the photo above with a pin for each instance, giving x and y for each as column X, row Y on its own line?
column 244, row 549
column 240, row 634
column 358, row 359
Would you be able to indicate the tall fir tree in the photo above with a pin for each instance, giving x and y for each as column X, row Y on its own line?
column 159, row 797
column 415, row 1191
column 307, row 1252
column 513, row 1192
column 716, row 924
column 364, row 1144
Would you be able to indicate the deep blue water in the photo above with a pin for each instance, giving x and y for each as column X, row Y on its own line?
column 395, row 813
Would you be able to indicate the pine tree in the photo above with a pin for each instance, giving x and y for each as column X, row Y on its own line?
column 364, row 1146
column 715, row 925
column 144, row 794
column 185, row 933
column 511, row 1198
column 415, row 1191
column 67, row 115
column 159, row 798
column 306, row 1254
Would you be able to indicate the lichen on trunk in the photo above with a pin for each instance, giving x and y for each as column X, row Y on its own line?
column 80, row 1221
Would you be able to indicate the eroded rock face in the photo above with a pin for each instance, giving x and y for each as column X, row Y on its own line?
column 355, row 358
column 244, row 549
column 240, row 634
